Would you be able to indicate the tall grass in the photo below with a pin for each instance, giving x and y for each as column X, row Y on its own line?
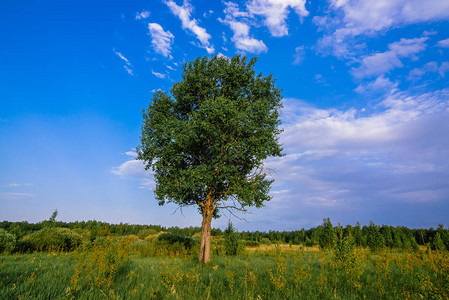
column 105, row 271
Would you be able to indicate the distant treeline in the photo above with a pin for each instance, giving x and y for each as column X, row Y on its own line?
column 389, row 236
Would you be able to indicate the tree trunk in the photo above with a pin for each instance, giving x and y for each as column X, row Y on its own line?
column 208, row 211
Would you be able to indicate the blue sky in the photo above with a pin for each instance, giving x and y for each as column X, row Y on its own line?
column 365, row 118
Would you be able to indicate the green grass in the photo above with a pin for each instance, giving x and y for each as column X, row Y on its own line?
column 268, row 274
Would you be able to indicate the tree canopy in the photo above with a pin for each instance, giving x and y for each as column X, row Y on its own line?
column 207, row 140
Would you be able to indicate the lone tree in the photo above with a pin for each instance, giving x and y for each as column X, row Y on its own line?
column 206, row 142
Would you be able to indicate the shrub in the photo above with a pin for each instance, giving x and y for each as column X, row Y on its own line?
column 173, row 244
column 265, row 241
column 53, row 239
column 170, row 238
column 7, row 241
column 252, row 243
column 309, row 242
column 146, row 232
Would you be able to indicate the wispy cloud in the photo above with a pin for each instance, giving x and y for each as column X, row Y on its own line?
column 20, row 184
column 275, row 13
column 381, row 84
column 12, row 195
column 158, row 75
column 240, row 28
column 135, row 169
column 161, row 40
column 443, row 43
column 128, row 66
column 188, row 23
column 299, row 55
column 380, row 63
column 142, row 15
column 430, row 67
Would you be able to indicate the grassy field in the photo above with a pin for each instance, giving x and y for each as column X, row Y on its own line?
column 114, row 271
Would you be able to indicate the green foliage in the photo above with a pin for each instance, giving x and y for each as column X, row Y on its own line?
column 232, row 243
column 170, row 238
column 327, row 235
column 50, row 238
column 343, row 245
column 309, row 242
column 209, row 138
column 375, row 241
column 146, row 232
column 7, row 241
column 437, row 243
column 252, row 243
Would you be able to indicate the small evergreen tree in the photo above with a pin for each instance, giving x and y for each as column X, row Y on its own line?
column 437, row 243
column 232, row 243
column 327, row 236
column 358, row 236
column 374, row 239
column 343, row 245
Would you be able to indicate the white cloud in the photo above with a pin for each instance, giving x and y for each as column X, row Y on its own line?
column 135, row 169
column 354, row 160
column 444, row 43
column 184, row 14
column 430, row 67
column 299, row 55
column 158, row 75
column 380, row 84
column 350, row 18
column 241, row 38
column 161, row 40
column 131, row 168
column 384, row 62
column 275, row 13
column 142, row 15
column 128, row 67
column 369, row 16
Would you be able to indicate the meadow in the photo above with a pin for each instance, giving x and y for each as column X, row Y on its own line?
column 130, row 268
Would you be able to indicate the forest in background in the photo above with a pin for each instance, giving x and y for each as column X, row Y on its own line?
column 51, row 234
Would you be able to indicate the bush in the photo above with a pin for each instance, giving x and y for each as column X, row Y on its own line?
column 252, row 243
column 7, row 241
column 170, row 238
column 309, row 242
column 172, row 245
column 52, row 239
column 146, row 232
column 265, row 241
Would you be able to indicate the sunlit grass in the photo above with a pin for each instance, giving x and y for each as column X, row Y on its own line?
column 268, row 272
